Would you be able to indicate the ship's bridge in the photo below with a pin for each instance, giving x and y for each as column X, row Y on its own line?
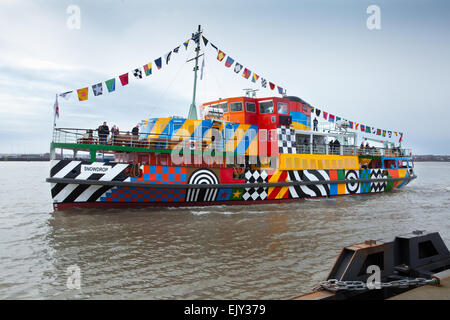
column 267, row 113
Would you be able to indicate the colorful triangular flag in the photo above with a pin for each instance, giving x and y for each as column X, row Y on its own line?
column 246, row 73
column 255, row 77
column 186, row 43
column 66, row 95
column 229, row 62
column 137, row 73
column 280, row 90
column 83, row 94
column 238, row 67
column 167, row 57
column 124, row 79
column 56, row 107
column 111, row 84
column 158, row 63
column 205, row 41
column 220, row 55
column 271, row 85
column 97, row 89
column 325, row 115
column 148, row 69
column 263, row 83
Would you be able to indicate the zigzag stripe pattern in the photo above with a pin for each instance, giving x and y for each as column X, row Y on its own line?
column 377, row 186
column 307, row 191
column 63, row 192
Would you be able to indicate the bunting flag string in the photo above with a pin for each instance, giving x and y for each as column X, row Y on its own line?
column 97, row 89
column 247, row 74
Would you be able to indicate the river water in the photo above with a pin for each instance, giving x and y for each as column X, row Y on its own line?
column 223, row 252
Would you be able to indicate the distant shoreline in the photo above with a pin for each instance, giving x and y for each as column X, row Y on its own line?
column 43, row 159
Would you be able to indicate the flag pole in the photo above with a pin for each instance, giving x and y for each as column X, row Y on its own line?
column 54, row 111
column 55, row 107
column 193, row 109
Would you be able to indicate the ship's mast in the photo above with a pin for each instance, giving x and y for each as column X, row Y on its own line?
column 193, row 109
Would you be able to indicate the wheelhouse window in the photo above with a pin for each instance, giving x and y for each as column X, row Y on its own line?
column 283, row 108
column 224, row 106
column 266, row 107
column 250, row 107
column 236, row 106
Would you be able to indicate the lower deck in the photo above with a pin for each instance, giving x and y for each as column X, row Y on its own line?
column 110, row 184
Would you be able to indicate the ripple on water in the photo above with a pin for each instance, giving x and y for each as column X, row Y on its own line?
column 274, row 251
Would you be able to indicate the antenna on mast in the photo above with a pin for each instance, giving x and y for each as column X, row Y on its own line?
column 196, row 37
column 250, row 91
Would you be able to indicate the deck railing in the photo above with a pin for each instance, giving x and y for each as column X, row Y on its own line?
column 160, row 141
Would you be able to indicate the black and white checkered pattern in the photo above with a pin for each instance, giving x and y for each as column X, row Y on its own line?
column 286, row 140
column 137, row 73
column 255, row 176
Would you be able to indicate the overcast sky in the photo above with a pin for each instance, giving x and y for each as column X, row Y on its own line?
column 395, row 78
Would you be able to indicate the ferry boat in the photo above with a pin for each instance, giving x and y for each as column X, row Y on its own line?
column 243, row 150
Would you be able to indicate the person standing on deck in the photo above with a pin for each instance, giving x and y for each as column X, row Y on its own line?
column 135, row 130
column 103, row 133
column 114, row 134
column 135, row 133
column 315, row 122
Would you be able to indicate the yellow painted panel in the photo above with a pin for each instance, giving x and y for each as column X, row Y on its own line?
column 300, row 126
column 309, row 161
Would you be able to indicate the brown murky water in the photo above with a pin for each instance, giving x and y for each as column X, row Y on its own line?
column 223, row 252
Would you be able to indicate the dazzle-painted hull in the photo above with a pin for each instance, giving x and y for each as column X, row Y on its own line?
column 118, row 185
